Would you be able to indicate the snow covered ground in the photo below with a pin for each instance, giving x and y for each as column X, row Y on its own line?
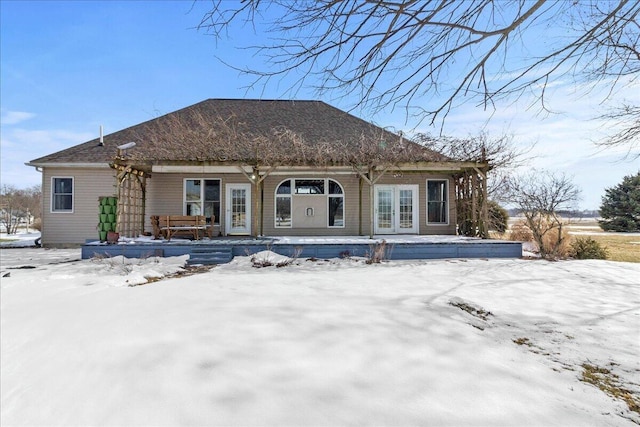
column 20, row 240
column 330, row 342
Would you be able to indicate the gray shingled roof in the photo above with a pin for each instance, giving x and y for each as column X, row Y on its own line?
column 314, row 121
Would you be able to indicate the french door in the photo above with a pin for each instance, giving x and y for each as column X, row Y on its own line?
column 238, row 212
column 396, row 209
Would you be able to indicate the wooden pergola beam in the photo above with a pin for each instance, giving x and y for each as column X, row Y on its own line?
column 131, row 193
column 472, row 202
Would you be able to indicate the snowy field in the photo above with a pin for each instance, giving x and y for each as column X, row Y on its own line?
column 325, row 342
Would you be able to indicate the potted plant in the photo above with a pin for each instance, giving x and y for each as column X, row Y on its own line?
column 112, row 237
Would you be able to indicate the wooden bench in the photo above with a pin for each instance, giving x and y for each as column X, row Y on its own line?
column 170, row 225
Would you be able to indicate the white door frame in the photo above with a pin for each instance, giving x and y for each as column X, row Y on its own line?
column 245, row 226
column 395, row 220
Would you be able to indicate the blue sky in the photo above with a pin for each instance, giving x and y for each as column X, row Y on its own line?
column 69, row 67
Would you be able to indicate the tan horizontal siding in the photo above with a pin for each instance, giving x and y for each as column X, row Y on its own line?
column 65, row 228
column 358, row 221
column 420, row 179
column 165, row 194
column 351, row 208
column 165, row 197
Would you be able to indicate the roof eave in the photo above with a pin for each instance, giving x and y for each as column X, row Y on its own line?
column 456, row 166
column 83, row 165
column 416, row 166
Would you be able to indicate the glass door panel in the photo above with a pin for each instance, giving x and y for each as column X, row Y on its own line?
column 384, row 210
column 238, row 209
column 405, row 207
column 396, row 209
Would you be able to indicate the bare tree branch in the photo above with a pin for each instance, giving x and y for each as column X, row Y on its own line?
column 393, row 53
column 499, row 152
column 625, row 118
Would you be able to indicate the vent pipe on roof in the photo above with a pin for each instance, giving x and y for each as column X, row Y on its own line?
column 101, row 143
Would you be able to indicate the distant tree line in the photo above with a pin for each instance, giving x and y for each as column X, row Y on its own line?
column 565, row 213
column 20, row 208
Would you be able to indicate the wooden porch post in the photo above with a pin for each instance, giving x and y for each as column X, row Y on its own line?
column 257, row 181
column 372, row 216
column 360, row 185
column 257, row 203
column 143, row 194
column 484, row 205
column 474, row 202
column 371, row 178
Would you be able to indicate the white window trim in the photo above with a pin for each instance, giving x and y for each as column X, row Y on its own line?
column 326, row 194
column 446, row 190
column 202, row 179
column 73, row 195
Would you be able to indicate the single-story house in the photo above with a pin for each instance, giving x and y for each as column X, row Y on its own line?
column 261, row 168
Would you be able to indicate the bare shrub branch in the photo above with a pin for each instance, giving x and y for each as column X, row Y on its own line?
column 540, row 196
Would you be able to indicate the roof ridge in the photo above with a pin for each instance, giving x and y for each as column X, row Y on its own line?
column 262, row 100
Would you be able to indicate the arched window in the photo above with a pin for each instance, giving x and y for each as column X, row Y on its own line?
column 335, row 204
column 283, row 204
column 299, row 188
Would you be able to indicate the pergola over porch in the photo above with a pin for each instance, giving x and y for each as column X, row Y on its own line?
column 470, row 179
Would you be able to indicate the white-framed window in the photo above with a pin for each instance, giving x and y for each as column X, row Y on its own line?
column 62, row 194
column 303, row 187
column 437, row 201
column 202, row 197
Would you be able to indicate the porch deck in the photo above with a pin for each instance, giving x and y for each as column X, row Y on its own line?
column 223, row 249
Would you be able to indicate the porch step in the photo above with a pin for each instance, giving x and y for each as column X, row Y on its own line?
column 208, row 255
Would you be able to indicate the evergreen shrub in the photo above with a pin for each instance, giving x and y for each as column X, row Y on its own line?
column 587, row 248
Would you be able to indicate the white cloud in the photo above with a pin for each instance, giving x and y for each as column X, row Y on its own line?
column 19, row 146
column 48, row 139
column 14, row 117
